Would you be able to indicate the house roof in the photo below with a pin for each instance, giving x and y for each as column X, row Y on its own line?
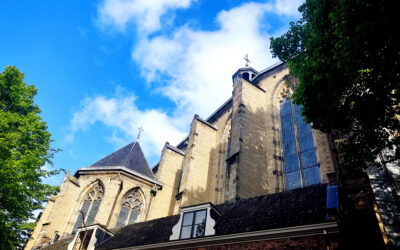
column 304, row 206
column 130, row 156
column 144, row 233
column 59, row 245
column 297, row 207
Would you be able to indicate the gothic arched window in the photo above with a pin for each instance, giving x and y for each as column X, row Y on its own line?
column 131, row 207
column 90, row 206
column 300, row 160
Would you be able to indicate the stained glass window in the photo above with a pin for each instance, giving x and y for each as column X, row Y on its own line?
column 90, row 206
column 300, row 160
column 132, row 205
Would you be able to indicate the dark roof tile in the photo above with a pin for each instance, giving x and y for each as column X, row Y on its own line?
column 132, row 158
column 149, row 232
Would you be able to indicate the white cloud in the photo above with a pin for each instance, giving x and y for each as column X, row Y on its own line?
column 199, row 64
column 145, row 14
column 119, row 112
column 191, row 67
column 288, row 7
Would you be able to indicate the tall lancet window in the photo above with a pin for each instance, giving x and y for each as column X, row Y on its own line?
column 131, row 207
column 90, row 206
column 300, row 160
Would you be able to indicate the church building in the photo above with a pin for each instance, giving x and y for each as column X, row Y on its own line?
column 251, row 175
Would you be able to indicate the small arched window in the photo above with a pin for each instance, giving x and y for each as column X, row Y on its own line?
column 90, row 206
column 246, row 76
column 131, row 208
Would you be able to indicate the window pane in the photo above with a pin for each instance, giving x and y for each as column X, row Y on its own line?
column 293, row 180
column 309, row 159
column 306, row 143
column 200, row 216
column 79, row 220
column 134, row 216
column 186, row 231
column 297, row 109
column 286, row 108
column 123, row 215
column 289, row 148
column 199, row 230
column 291, row 164
column 311, row 176
column 304, row 129
column 287, row 121
column 93, row 212
column 288, row 134
column 187, row 219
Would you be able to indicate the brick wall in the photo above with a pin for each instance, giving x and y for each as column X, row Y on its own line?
column 309, row 242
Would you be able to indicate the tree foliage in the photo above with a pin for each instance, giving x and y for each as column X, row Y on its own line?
column 346, row 54
column 24, row 150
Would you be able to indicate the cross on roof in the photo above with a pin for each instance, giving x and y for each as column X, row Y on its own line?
column 133, row 145
column 246, row 59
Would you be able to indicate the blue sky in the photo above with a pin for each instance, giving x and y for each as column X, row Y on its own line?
column 103, row 68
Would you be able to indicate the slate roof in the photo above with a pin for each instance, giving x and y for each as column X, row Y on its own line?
column 297, row 207
column 149, row 232
column 59, row 245
column 132, row 158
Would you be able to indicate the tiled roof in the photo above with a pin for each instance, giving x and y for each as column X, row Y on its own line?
column 132, row 158
column 297, row 207
column 59, row 245
column 149, row 232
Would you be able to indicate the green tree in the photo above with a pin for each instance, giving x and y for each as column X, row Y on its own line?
column 346, row 54
column 24, row 150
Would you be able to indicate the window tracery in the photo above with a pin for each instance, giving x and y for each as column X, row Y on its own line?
column 90, row 206
column 131, row 208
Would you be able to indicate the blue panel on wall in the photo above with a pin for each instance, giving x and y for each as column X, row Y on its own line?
column 308, row 159
column 332, row 200
column 311, row 175
column 291, row 163
column 293, row 180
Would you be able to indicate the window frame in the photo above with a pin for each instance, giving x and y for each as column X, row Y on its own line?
column 193, row 223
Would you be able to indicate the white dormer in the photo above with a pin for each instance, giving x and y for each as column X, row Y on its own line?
column 195, row 221
column 87, row 238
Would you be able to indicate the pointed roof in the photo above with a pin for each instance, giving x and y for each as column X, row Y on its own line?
column 132, row 158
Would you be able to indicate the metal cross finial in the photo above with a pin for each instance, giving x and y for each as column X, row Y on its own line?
column 133, row 145
column 246, row 58
column 140, row 131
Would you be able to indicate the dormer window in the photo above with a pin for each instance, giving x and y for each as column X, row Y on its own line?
column 193, row 224
column 89, row 237
column 195, row 221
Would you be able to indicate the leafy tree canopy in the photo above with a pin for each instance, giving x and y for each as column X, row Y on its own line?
column 346, row 54
column 24, row 150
